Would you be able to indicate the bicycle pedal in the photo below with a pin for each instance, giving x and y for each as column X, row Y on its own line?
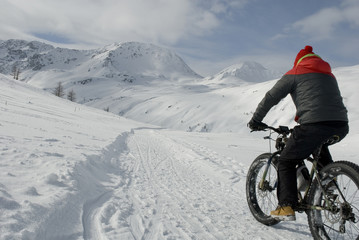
column 300, row 208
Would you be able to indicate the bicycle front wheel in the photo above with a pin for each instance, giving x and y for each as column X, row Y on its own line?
column 262, row 193
column 339, row 217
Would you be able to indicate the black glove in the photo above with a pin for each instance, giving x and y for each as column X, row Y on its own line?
column 256, row 126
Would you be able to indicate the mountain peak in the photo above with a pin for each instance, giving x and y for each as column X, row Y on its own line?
column 247, row 71
column 145, row 58
column 131, row 58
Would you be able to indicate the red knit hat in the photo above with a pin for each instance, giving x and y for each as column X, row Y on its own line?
column 302, row 53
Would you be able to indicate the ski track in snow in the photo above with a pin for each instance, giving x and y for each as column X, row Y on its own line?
column 147, row 185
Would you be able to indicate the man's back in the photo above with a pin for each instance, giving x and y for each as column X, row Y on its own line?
column 314, row 90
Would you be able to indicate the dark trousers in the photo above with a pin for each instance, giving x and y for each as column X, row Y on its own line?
column 304, row 140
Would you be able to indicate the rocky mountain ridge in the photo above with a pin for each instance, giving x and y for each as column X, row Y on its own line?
column 126, row 62
column 138, row 81
column 113, row 61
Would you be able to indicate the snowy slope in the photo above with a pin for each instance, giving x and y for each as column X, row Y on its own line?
column 73, row 172
column 130, row 80
column 150, row 84
column 207, row 107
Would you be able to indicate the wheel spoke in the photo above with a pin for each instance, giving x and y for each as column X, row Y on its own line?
column 340, row 220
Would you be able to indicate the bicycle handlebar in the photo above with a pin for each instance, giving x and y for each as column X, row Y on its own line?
column 279, row 130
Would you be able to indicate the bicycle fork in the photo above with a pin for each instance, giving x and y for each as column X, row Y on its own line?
column 263, row 185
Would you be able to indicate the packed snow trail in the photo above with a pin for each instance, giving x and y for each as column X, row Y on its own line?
column 153, row 184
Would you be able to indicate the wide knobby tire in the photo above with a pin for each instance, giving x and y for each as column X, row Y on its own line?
column 261, row 202
column 343, row 221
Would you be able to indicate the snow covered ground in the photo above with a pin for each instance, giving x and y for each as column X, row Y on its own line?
column 73, row 172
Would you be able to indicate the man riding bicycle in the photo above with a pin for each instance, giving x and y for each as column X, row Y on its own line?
column 320, row 113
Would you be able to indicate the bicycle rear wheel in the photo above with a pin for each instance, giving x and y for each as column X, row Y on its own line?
column 262, row 200
column 341, row 182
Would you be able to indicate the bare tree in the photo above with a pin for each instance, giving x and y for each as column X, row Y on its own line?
column 71, row 95
column 15, row 72
column 59, row 90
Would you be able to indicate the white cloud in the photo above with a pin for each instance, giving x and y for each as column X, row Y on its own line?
column 320, row 25
column 324, row 24
column 101, row 22
column 351, row 14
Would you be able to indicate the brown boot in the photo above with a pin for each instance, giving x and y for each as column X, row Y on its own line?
column 285, row 213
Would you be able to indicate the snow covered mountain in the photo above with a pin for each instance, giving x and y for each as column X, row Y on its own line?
column 69, row 171
column 127, row 62
column 73, row 172
column 244, row 72
column 130, row 79
column 150, row 84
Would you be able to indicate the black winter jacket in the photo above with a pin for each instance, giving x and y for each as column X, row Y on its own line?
column 314, row 91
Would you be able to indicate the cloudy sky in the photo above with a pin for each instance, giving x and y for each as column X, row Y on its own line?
column 208, row 34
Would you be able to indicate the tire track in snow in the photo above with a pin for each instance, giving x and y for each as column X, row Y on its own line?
column 159, row 171
column 190, row 189
column 196, row 193
column 96, row 205
column 106, row 217
column 90, row 210
column 147, row 185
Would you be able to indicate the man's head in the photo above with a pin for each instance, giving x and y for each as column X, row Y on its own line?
column 302, row 53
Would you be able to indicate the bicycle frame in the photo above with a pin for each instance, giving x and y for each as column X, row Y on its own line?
column 314, row 173
column 329, row 195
